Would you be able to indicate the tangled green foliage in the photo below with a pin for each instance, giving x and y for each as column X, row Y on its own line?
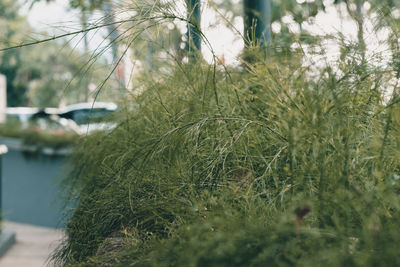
column 276, row 165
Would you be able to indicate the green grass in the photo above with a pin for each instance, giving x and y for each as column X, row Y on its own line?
column 245, row 168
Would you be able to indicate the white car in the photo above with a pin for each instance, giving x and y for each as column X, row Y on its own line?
column 20, row 114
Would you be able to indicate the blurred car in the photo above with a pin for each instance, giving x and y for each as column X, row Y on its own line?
column 52, row 123
column 91, row 116
column 20, row 114
column 83, row 113
column 80, row 118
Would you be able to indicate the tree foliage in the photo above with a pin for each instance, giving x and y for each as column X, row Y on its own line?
column 12, row 29
column 46, row 74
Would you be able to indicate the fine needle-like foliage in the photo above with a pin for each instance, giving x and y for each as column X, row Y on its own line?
column 265, row 166
column 277, row 163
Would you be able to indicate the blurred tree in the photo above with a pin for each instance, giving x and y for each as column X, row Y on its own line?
column 262, row 13
column 257, row 22
column 106, row 7
column 385, row 16
column 193, row 27
column 54, row 74
column 86, row 7
column 355, row 8
column 12, row 30
column 37, row 75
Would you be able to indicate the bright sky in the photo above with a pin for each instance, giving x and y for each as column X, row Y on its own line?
column 55, row 18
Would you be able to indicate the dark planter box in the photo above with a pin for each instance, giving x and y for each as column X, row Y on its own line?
column 31, row 191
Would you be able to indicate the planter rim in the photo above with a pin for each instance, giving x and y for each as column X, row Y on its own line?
column 17, row 144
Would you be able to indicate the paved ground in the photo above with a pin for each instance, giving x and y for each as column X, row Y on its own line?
column 33, row 247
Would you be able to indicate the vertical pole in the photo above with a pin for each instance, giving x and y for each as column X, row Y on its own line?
column 114, row 37
column 1, row 188
column 193, row 33
column 257, row 24
column 149, row 57
column 112, row 29
column 360, row 24
column 3, row 150
column 84, row 24
column 3, row 98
